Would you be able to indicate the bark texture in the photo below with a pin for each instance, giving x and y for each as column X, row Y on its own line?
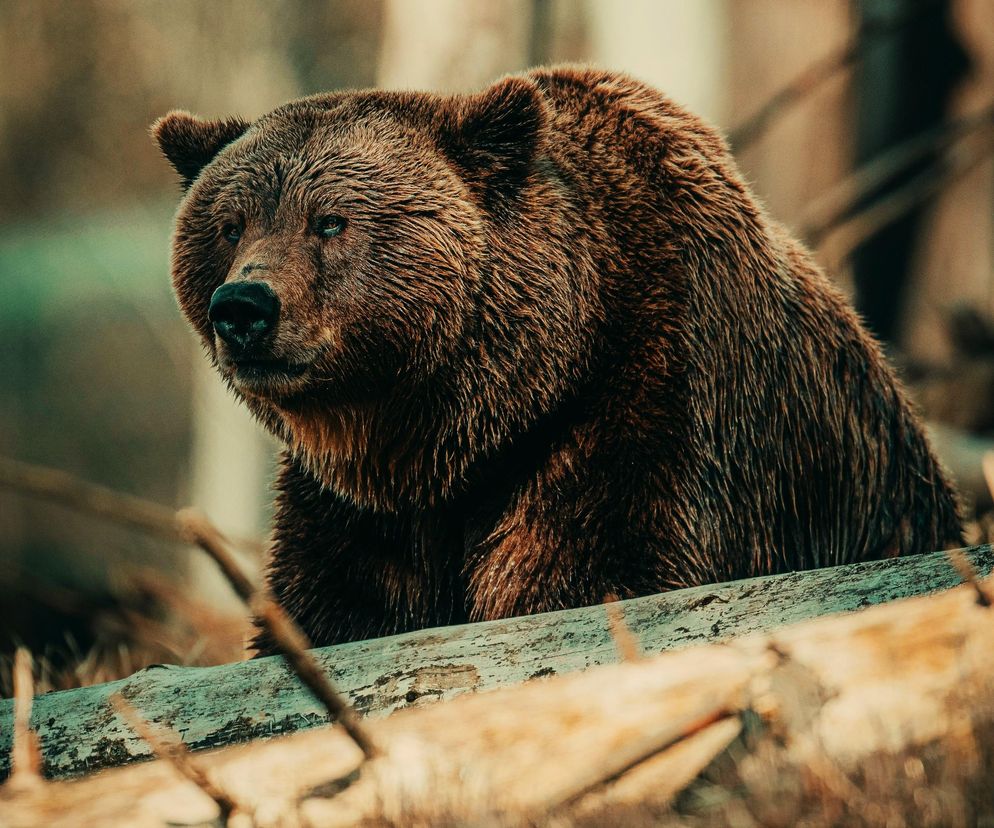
column 216, row 706
column 848, row 719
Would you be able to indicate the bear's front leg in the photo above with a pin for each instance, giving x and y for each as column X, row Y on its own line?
column 344, row 573
column 566, row 538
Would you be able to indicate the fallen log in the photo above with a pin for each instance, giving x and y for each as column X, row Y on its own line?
column 215, row 706
column 879, row 717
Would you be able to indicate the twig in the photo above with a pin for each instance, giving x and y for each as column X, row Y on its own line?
column 117, row 507
column 175, row 753
column 190, row 526
column 820, row 767
column 966, row 571
column 785, row 98
column 627, row 644
column 287, row 636
column 293, row 644
column 633, row 753
column 194, row 528
column 68, row 490
column 758, row 124
column 864, row 225
column 25, row 753
column 987, row 464
column 829, row 210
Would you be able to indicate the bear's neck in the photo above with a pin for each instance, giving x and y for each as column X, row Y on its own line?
column 421, row 450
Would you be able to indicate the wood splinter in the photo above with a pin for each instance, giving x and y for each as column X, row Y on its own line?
column 625, row 641
column 966, row 571
column 26, row 754
column 656, row 740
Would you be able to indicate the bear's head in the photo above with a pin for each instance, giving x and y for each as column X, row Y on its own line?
column 349, row 254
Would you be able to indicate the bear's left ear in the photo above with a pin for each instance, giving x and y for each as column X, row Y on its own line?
column 190, row 143
column 497, row 133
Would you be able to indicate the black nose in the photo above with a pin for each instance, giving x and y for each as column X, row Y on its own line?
column 243, row 313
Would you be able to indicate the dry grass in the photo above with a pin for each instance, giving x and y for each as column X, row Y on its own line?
column 146, row 619
column 753, row 785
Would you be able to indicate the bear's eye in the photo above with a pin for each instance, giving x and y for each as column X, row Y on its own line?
column 329, row 226
column 232, row 233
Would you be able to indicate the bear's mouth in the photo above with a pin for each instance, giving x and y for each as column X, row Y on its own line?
column 267, row 377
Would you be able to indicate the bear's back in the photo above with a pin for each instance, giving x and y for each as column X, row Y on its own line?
column 796, row 443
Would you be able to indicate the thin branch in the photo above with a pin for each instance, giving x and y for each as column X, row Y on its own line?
column 955, row 164
column 625, row 641
column 174, row 752
column 288, row 637
column 966, row 571
column 91, row 498
column 783, row 100
column 190, row 526
column 829, row 774
column 759, row 123
column 987, row 463
column 68, row 490
column 194, row 528
column 959, row 560
column 294, row 646
column 829, row 210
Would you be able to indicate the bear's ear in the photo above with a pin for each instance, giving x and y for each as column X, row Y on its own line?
column 496, row 134
column 190, row 143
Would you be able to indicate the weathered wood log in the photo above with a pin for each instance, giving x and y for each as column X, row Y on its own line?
column 215, row 706
column 880, row 717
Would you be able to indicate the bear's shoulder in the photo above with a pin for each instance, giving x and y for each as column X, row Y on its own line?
column 638, row 115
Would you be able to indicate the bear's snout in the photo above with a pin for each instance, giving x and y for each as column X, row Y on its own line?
column 244, row 313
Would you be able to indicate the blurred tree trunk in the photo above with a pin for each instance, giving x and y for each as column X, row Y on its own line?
column 955, row 248
column 231, row 453
column 910, row 62
column 679, row 47
column 808, row 147
column 229, row 464
column 452, row 45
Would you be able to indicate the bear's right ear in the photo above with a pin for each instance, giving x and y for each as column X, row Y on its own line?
column 496, row 135
column 190, row 143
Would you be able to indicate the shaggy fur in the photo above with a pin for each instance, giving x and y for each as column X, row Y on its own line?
column 558, row 351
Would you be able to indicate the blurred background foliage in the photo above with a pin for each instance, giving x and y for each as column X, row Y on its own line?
column 865, row 125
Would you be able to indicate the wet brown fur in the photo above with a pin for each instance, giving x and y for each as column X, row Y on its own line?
column 558, row 352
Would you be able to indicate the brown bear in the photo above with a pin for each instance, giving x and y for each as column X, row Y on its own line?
column 529, row 347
